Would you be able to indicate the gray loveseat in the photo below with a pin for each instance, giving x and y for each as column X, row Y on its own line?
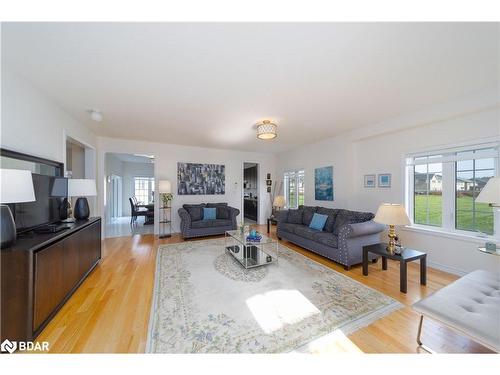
column 342, row 238
column 193, row 225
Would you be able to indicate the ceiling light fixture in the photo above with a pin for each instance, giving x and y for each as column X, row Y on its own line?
column 95, row 114
column 267, row 130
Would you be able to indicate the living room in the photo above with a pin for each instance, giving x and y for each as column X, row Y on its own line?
column 369, row 151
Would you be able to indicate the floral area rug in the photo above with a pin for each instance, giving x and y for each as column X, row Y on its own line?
column 204, row 301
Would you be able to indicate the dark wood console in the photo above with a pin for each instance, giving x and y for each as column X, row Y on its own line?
column 39, row 274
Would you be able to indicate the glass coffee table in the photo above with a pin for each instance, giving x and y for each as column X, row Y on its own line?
column 248, row 253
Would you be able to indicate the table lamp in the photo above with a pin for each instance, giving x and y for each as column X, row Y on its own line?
column 81, row 188
column 279, row 202
column 491, row 194
column 16, row 187
column 392, row 215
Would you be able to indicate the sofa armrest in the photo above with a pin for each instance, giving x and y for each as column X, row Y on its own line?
column 281, row 216
column 362, row 229
column 352, row 238
column 233, row 213
column 185, row 218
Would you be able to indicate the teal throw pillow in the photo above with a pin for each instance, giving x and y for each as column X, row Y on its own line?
column 209, row 213
column 318, row 221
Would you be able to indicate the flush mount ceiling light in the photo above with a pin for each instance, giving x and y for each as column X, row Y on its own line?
column 95, row 114
column 267, row 130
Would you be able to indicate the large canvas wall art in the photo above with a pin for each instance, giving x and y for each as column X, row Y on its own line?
column 200, row 179
column 323, row 184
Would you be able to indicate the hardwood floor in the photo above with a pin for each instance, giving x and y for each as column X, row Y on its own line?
column 110, row 311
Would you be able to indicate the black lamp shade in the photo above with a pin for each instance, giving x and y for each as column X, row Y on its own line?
column 8, row 227
column 81, row 210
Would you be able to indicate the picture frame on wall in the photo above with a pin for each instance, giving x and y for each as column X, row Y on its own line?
column 201, row 179
column 269, row 182
column 370, row 180
column 269, row 189
column 384, row 180
column 323, row 184
column 268, row 177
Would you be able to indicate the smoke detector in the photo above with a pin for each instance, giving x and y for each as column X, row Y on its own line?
column 95, row 114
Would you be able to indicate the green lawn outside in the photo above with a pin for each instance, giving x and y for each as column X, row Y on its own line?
column 464, row 218
column 292, row 199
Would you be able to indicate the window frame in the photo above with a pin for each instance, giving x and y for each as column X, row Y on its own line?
column 297, row 174
column 449, row 206
column 151, row 184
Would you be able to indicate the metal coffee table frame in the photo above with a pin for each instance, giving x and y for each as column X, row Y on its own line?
column 250, row 254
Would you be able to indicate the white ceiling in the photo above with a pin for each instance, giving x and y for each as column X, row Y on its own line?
column 208, row 84
column 131, row 158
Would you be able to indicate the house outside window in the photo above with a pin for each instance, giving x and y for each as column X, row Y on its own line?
column 294, row 188
column 442, row 187
column 144, row 189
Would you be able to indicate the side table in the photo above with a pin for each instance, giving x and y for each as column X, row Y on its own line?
column 406, row 256
column 270, row 220
column 165, row 222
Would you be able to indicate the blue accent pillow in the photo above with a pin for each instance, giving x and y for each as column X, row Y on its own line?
column 209, row 213
column 318, row 221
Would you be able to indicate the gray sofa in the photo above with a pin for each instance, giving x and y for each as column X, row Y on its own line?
column 193, row 225
column 341, row 240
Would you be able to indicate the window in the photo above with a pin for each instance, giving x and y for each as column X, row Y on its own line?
column 428, row 194
column 471, row 176
column 144, row 189
column 442, row 188
column 294, row 188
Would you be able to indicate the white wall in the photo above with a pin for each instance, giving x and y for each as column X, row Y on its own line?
column 165, row 167
column 336, row 152
column 33, row 124
column 77, row 161
column 365, row 151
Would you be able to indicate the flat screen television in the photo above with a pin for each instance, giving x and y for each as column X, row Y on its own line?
column 51, row 195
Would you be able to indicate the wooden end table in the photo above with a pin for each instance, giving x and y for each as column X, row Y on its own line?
column 270, row 220
column 406, row 256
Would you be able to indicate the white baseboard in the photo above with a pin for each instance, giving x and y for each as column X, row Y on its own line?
column 449, row 269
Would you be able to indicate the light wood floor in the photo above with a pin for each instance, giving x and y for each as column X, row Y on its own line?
column 110, row 311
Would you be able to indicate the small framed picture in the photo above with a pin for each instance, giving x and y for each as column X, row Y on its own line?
column 268, row 176
column 370, row 180
column 269, row 182
column 384, row 180
column 269, row 189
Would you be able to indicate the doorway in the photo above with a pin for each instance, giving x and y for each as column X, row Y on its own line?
column 129, row 197
column 250, row 193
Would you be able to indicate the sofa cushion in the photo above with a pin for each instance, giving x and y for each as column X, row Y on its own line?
column 350, row 217
column 210, row 223
column 222, row 210
column 326, row 238
column 195, row 210
column 209, row 213
column 306, row 232
column 288, row 227
column 218, row 204
column 318, row 221
column 295, row 216
column 308, row 213
column 332, row 214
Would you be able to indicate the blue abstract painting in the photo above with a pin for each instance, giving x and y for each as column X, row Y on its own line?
column 323, row 184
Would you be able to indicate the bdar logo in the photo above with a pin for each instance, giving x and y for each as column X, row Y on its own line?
column 8, row 346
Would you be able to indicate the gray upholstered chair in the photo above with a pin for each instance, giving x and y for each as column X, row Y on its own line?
column 193, row 225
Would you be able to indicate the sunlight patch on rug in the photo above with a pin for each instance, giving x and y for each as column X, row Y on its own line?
column 274, row 309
